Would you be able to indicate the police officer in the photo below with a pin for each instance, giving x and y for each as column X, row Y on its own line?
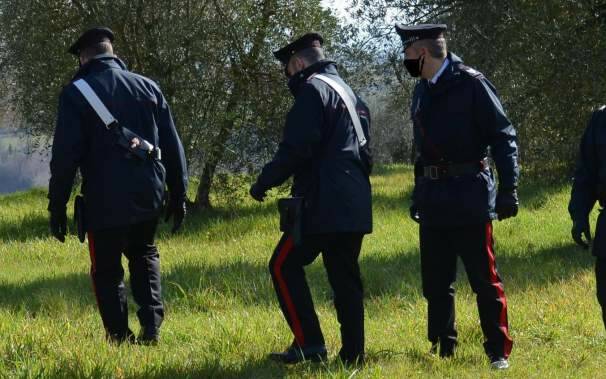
column 589, row 187
column 457, row 118
column 321, row 150
column 123, row 193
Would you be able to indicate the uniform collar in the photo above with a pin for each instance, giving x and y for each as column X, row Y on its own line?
column 100, row 63
column 445, row 64
column 450, row 75
column 323, row 66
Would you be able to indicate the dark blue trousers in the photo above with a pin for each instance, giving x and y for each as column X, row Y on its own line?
column 136, row 242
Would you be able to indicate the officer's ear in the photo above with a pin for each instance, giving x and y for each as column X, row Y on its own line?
column 295, row 65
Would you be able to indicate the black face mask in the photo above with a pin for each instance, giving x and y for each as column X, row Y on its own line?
column 414, row 66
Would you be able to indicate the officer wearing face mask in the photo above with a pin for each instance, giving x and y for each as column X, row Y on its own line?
column 589, row 188
column 327, row 154
column 458, row 122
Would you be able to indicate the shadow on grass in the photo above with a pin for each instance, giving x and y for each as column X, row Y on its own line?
column 35, row 225
column 30, row 227
column 534, row 196
column 203, row 287
column 48, row 296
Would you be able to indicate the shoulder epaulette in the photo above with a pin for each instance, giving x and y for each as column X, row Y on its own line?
column 602, row 108
column 470, row 71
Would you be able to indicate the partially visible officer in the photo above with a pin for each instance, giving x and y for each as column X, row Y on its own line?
column 457, row 120
column 589, row 187
column 321, row 150
column 123, row 194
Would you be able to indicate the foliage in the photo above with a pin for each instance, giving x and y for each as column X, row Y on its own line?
column 545, row 58
column 211, row 58
column 222, row 317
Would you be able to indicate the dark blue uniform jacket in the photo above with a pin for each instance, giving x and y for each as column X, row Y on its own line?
column 118, row 190
column 456, row 121
column 320, row 148
column 589, row 184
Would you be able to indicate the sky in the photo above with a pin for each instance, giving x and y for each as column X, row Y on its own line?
column 338, row 5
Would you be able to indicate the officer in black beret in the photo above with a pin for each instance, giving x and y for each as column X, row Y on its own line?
column 325, row 148
column 589, row 188
column 458, row 120
column 127, row 149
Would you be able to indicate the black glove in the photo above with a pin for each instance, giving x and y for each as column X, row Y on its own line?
column 580, row 228
column 507, row 204
column 414, row 214
column 177, row 209
column 257, row 193
column 58, row 224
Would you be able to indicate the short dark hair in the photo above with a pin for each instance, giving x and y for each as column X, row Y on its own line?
column 103, row 47
column 311, row 55
column 437, row 47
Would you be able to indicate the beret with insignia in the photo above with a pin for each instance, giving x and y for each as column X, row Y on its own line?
column 413, row 33
column 302, row 43
column 91, row 37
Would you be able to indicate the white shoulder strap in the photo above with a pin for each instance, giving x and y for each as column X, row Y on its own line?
column 349, row 103
column 92, row 98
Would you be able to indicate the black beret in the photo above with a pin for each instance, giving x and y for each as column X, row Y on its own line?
column 91, row 37
column 302, row 43
column 413, row 33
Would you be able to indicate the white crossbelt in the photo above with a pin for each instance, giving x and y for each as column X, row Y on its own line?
column 94, row 101
column 104, row 114
column 349, row 103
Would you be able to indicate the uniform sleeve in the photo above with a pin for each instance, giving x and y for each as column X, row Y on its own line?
column 302, row 134
column 173, row 155
column 500, row 134
column 67, row 152
column 418, row 163
column 584, row 185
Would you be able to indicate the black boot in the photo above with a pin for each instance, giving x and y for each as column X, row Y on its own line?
column 120, row 338
column 295, row 354
column 148, row 337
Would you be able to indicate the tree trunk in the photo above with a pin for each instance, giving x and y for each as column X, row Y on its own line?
column 214, row 157
column 249, row 61
column 206, row 179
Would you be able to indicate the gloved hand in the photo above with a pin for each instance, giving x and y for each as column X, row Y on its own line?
column 580, row 227
column 414, row 214
column 58, row 224
column 507, row 204
column 177, row 209
column 257, row 193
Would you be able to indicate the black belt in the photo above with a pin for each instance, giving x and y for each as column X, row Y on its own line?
column 450, row 170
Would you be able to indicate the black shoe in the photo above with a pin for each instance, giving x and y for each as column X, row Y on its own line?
column 446, row 349
column 120, row 338
column 148, row 337
column 295, row 354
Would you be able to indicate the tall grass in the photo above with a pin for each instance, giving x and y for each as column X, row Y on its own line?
column 222, row 318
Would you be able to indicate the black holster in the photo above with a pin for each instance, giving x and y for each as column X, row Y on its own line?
column 599, row 241
column 291, row 218
column 79, row 217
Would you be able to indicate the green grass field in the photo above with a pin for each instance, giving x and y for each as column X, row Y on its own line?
column 222, row 317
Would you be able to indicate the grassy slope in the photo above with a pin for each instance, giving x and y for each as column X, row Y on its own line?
column 222, row 317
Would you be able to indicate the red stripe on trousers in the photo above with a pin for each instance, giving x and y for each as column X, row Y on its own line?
column 290, row 306
column 496, row 282
column 93, row 260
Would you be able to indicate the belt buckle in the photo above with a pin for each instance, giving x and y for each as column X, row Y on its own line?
column 156, row 153
column 434, row 173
